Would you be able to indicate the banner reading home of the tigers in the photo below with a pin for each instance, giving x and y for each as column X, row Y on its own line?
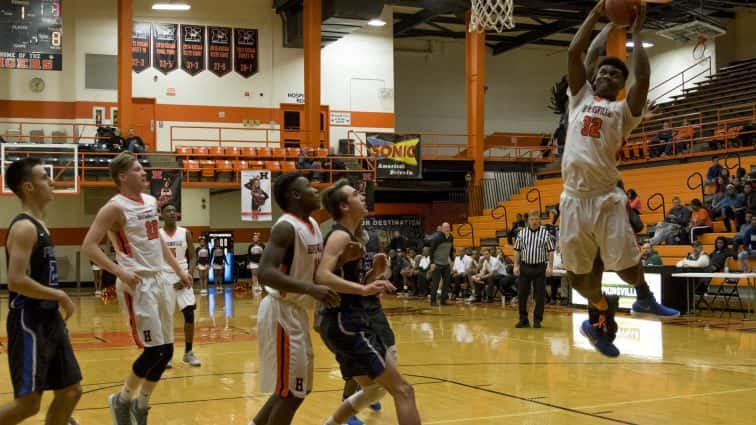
column 256, row 195
column 397, row 155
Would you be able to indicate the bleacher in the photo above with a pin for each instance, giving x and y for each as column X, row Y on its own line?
column 668, row 180
column 719, row 110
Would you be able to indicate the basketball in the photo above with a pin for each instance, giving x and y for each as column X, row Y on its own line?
column 622, row 12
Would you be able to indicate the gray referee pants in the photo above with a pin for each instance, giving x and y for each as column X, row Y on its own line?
column 531, row 274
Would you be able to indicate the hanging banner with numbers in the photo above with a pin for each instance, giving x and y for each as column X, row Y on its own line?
column 192, row 49
column 31, row 35
column 165, row 55
column 219, row 50
column 255, row 196
column 245, row 52
column 140, row 46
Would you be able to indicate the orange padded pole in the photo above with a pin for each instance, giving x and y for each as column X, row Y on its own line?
column 475, row 67
column 125, row 113
column 312, row 20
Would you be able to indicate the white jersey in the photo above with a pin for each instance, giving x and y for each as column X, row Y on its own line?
column 176, row 243
column 138, row 247
column 308, row 248
column 596, row 130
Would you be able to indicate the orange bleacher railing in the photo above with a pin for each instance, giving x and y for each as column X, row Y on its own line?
column 222, row 136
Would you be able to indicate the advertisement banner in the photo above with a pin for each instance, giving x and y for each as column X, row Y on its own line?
column 256, row 202
column 397, row 155
column 612, row 284
column 165, row 186
column 192, row 49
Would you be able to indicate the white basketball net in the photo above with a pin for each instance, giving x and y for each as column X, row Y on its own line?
column 494, row 15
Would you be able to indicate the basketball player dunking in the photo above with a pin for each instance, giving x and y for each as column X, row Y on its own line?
column 130, row 219
column 595, row 230
column 179, row 241
column 287, row 269
column 346, row 330
column 40, row 355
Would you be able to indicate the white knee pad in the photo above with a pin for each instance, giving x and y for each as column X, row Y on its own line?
column 366, row 396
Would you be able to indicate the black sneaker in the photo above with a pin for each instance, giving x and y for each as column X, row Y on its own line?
column 522, row 324
column 537, row 324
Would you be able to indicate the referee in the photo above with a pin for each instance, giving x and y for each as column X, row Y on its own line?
column 534, row 256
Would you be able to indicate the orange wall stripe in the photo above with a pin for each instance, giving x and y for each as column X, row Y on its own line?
column 167, row 112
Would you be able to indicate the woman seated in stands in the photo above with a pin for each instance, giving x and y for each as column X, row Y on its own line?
column 720, row 255
column 633, row 200
column 726, row 206
column 700, row 221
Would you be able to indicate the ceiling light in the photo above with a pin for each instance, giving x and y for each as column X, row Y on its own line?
column 171, row 6
column 377, row 22
column 646, row 44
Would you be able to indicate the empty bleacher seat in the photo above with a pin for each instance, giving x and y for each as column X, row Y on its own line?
column 264, row 153
column 225, row 169
column 273, row 166
column 207, row 168
column 232, row 152
column 288, row 166
column 192, row 169
column 248, row 153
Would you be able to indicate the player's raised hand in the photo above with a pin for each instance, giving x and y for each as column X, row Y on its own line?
column 640, row 17
column 325, row 295
column 129, row 278
column 66, row 304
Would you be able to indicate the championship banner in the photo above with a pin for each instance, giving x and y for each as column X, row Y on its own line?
column 140, row 46
column 165, row 54
column 165, row 186
column 31, row 35
column 245, row 52
column 193, row 49
column 255, row 195
column 219, row 50
column 397, row 155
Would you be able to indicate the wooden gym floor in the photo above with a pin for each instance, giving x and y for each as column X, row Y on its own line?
column 468, row 364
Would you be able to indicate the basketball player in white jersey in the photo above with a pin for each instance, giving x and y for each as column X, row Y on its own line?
column 130, row 219
column 179, row 241
column 287, row 270
column 595, row 230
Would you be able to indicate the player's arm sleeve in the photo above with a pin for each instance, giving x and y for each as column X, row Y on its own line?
column 577, row 99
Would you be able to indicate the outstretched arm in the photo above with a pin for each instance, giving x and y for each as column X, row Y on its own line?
column 636, row 97
column 597, row 50
column 576, row 72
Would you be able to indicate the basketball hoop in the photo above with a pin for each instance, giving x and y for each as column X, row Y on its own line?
column 494, row 15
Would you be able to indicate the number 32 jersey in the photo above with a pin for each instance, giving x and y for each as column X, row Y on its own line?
column 138, row 247
column 596, row 130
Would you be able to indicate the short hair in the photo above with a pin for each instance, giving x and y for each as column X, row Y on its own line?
column 19, row 172
column 282, row 186
column 166, row 206
column 121, row 164
column 696, row 202
column 615, row 62
column 332, row 197
column 534, row 213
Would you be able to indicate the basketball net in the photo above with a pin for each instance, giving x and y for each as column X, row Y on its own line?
column 494, row 15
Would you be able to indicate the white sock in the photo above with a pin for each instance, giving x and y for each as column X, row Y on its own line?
column 143, row 400
column 126, row 394
column 330, row 421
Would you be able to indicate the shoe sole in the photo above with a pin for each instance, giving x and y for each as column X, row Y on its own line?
column 643, row 315
column 192, row 364
column 111, row 405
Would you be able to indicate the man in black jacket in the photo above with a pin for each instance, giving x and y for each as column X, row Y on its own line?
column 442, row 257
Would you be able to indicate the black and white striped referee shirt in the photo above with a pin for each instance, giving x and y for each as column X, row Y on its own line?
column 534, row 245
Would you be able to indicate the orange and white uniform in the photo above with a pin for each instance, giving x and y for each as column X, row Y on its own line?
column 176, row 243
column 286, row 365
column 149, row 306
column 593, row 217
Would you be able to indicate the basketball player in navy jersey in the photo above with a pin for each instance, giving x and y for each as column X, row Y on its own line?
column 40, row 355
column 287, row 270
column 346, row 329
column 595, row 231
